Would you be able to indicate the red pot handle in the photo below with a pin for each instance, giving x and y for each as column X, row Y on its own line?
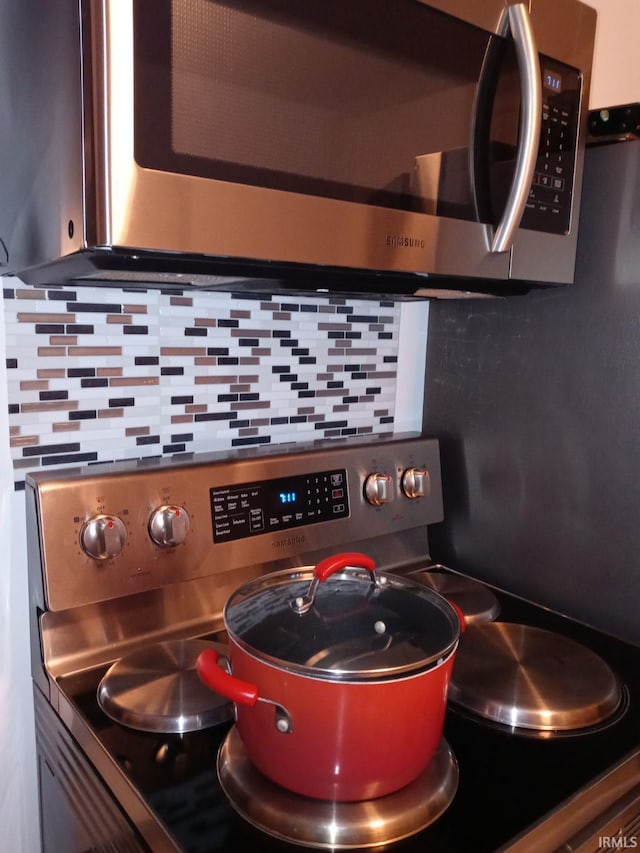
column 222, row 682
column 325, row 568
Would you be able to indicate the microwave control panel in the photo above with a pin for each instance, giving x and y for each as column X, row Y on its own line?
column 549, row 205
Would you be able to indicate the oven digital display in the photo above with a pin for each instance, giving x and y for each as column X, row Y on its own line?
column 250, row 509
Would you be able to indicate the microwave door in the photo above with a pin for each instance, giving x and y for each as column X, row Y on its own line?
column 287, row 133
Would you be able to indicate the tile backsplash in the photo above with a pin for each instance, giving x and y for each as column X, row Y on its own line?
column 108, row 373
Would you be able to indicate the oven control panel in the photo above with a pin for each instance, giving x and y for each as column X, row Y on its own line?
column 251, row 509
column 107, row 531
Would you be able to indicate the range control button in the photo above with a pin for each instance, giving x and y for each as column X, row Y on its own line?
column 415, row 483
column 169, row 525
column 103, row 537
column 378, row 489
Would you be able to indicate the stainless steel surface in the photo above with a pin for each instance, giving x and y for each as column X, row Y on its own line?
column 570, row 34
column 607, row 808
column 331, row 825
column 157, row 689
column 476, row 601
column 530, row 678
column 518, row 21
column 77, row 193
column 69, row 500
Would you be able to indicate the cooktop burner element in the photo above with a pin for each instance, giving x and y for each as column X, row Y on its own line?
column 532, row 679
column 334, row 825
column 477, row 602
column 157, row 689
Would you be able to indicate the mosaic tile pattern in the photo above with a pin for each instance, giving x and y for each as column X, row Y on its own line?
column 101, row 374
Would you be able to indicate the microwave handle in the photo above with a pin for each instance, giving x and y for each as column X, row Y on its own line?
column 516, row 19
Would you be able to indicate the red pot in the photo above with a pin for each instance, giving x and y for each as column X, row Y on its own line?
column 340, row 688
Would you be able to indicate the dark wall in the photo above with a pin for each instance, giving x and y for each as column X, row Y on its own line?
column 536, row 401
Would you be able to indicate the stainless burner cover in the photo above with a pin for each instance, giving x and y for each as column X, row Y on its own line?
column 336, row 825
column 475, row 600
column 157, row 689
column 530, row 678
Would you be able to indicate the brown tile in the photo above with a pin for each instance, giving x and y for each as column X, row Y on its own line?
column 31, row 462
column 261, row 352
column 33, row 385
column 207, row 322
column 135, row 309
column 247, row 361
column 183, row 351
column 45, row 317
column 187, row 301
column 124, row 381
column 110, row 413
column 252, row 404
column 105, row 372
column 250, row 333
column 24, row 441
column 181, row 419
column 51, row 352
column 66, row 426
column 206, row 360
column 196, row 408
column 63, row 340
column 51, row 373
column 120, row 319
column 93, row 351
column 239, row 314
column 140, row 430
column 50, row 406
column 31, row 294
column 382, row 374
column 214, row 380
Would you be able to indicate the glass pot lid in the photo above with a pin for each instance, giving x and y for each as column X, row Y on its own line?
column 342, row 620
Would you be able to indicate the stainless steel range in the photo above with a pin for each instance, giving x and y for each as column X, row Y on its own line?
column 130, row 568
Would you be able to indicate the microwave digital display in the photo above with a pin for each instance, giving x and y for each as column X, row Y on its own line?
column 552, row 80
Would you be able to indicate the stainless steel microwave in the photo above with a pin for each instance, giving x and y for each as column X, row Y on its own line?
column 404, row 147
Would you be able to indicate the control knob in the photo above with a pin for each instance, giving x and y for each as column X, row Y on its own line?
column 103, row 537
column 378, row 489
column 169, row 525
column 415, row 482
